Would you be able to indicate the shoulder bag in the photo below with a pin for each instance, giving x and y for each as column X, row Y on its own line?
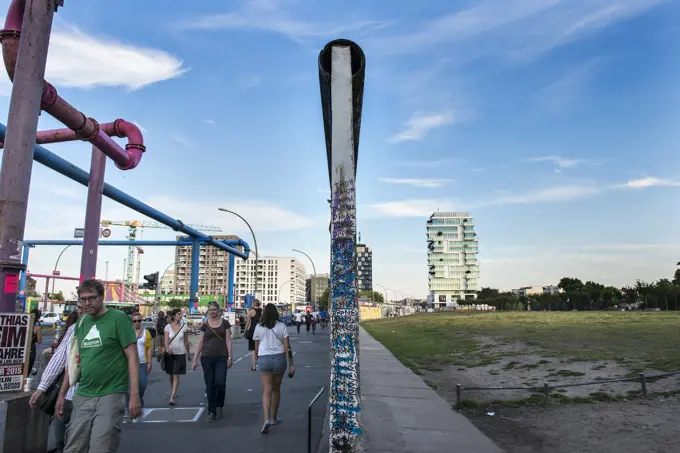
column 164, row 357
column 49, row 399
column 73, row 360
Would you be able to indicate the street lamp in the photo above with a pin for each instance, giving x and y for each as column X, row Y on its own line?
column 55, row 267
column 384, row 289
column 313, row 288
column 278, row 295
column 257, row 255
column 158, row 286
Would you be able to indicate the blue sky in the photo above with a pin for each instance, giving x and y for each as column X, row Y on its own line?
column 553, row 122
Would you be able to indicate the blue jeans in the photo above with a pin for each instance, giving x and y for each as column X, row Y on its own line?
column 215, row 376
column 143, row 379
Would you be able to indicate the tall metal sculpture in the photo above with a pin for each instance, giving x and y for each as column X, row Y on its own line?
column 341, row 78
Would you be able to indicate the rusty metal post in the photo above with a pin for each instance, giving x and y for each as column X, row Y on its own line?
column 93, row 211
column 17, row 157
column 546, row 392
column 459, row 395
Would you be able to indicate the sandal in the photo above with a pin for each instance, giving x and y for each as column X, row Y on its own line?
column 253, row 368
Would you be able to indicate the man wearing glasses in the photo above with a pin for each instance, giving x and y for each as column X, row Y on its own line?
column 107, row 348
column 54, row 373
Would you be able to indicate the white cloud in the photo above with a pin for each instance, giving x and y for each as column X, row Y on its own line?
column 562, row 163
column 436, row 163
column 644, row 183
column 77, row 59
column 412, row 208
column 548, row 195
column 421, row 124
column 210, row 122
column 429, row 183
column 269, row 16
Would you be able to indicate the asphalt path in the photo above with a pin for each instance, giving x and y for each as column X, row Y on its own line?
column 184, row 427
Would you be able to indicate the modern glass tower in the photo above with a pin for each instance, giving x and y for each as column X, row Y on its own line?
column 453, row 270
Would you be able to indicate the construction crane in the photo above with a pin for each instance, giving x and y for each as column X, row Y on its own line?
column 133, row 225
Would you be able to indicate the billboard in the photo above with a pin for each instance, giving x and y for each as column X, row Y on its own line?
column 15, row 342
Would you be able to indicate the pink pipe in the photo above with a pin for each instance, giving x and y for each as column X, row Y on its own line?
column 83, row 127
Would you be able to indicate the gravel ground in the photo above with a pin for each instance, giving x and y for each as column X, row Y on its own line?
column 636, row 426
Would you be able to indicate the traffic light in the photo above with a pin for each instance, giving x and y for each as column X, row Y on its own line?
column 151, row 281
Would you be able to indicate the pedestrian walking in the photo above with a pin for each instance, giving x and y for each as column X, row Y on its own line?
column 36, row 338
column 107, row 353
column 254, row 315
column 308, row 321
column 53, row 376
column 272, row 348
column 298, row 321
column 214, row 350
column 161, row 322
column 144, row 348
column 177, row 348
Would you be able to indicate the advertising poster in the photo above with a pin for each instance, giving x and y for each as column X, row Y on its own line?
column 15, row 347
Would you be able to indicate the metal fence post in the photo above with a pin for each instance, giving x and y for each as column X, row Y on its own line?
column 459, row 391
column 546, row 391
column 643, row 384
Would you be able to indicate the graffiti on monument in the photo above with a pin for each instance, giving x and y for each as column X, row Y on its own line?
column 344, row 394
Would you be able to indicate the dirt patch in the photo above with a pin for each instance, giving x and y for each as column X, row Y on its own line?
column 637, row 426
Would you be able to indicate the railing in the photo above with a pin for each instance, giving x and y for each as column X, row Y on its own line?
column 309, row 420
column 546, row 388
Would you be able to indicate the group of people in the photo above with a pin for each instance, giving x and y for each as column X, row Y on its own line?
column 311, row 320
column 101, row 364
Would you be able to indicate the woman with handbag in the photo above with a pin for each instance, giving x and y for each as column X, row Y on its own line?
column 253, row 319
column 214, row 350
column 273, row 346
column 176, row 351
column 144, row 348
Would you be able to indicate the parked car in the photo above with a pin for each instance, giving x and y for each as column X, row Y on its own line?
column 50, row 319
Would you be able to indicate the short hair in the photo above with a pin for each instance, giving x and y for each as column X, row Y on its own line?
column 213, row 303
column 137, row 314
column 257, row 303
column 174, row 312
column 91, row 285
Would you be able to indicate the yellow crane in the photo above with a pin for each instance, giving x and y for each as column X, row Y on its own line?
column 133, row 225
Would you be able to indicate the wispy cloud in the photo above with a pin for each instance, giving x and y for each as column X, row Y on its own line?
column 547, row 195
column 429, row 183
column 644, row 183
column 518, row 29
column 182, row 140
column 77, row 59
column 570, row 89
column 563, row 163
column 141, row 128
column 212, row 123
column 435, row 163
column 421, row 124
column 412, row 208
column 270, row 16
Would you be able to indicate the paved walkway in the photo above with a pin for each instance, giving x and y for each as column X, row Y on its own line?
column 183, row 428
column 401, row 414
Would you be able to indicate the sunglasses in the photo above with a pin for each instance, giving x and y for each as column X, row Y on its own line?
column 136, row 320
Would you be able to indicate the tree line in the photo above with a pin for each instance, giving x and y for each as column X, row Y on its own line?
column 574, row 294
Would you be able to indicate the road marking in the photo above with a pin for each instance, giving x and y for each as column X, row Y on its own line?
column 247, row 355
column 238, row 360
column 147, row 412
column 304, row 342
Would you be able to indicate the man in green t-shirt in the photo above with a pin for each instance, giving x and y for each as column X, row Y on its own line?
column 107, row 347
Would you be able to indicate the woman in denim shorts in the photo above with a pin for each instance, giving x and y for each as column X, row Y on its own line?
column 271, row 348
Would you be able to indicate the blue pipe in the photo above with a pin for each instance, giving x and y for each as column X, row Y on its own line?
column 230, row 281
column 22, row 279
column 56, row 163
column 114, row 243
column 193, row 285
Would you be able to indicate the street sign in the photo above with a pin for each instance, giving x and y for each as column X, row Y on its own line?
column 104, row 232
column 79, row 233
column 57, row 273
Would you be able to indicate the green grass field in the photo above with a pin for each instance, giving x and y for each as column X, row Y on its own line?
column 638, row 340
